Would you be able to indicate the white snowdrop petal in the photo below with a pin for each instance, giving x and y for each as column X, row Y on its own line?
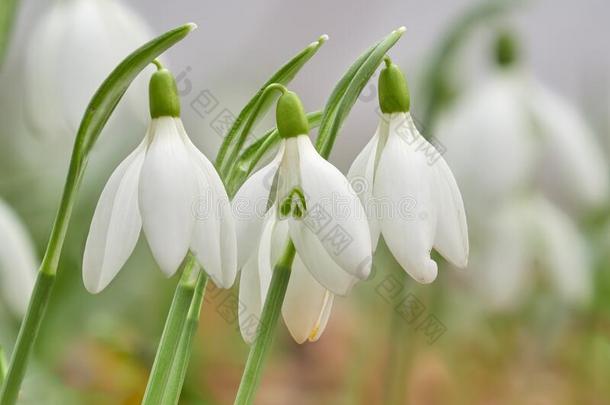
column 168, row 190
column 335, row 215
column 324, row 317
column 41, row 72
column 214, row 241
column 319, row 263
column 116, row 224
column 451, row 239
column 563, row 252
column 403, row 180
column 304, row 306
column 250, row 206
column 251, row 300
column 361, row 176
column 573, row 168
column 487, row 141
column 18, row 262
column 501, row 264
column 255, row 280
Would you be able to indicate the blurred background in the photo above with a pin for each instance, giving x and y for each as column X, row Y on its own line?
column 515, row 97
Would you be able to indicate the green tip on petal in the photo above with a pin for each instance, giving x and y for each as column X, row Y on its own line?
column 290, row 116
column 506, row 49
column 393, row 89
column 163, row 93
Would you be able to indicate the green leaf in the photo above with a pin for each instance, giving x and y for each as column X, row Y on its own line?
column 238, row 134
column 348, row 89
column 8, row 12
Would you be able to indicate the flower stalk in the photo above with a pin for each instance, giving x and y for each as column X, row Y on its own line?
column 268, row 323
column 183, row 352
column 172, row 333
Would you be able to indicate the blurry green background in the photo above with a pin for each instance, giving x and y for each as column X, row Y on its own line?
column 453, row 345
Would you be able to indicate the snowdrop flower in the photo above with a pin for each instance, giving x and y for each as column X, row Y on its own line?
column 170, row 189
column 526, row 235
column 409, row 192
column 301, row 196
column 70, row 52
column 523, row 135
column 18, row 261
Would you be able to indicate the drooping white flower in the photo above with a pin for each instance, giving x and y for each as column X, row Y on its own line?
column 407, row 188
column 170, row 189
column 18, row 261
column 530, row 240
column 301, row 196
column 511, row 133
column 74, row 46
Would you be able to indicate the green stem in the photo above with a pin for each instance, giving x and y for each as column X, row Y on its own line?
column 42, row 289
column 8, row 13
column 183, row 353
column 397, row 369
column 268, row 322
column 172, row 332
column 27, row 335
column 3, row 364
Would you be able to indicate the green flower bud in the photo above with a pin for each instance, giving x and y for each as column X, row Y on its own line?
column 506, row 50
column 290, row 116
column 163, row 94
column 393, row 89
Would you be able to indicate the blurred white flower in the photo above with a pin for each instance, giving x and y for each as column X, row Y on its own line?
column 74, row 46
column 302, row 196
column 18, row 263
column 511, row 133
column 526, row 241
column 411, row 198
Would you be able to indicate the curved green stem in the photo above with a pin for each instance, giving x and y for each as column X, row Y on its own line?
column 172, row 332
column 268, row 322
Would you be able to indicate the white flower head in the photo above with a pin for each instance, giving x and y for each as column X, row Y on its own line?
column 511, row 133
column 301, row 196
column 18, row 261
column 529, row 239
column 72, row 49
column 407, row 188
column 168, row 188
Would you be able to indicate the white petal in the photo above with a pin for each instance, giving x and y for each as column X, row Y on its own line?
column 18, row 261
column 168, row 190
column 451, row 238
column 214, row 241
column 307, row 304
column 361, row 175
column 250, row 206
column 486, row 139
column 563, row 252
column 404, row 182
column 116, row 224
column 502, row 263
column 319, row 263
column 335, row 215
column 573, row 168
column 254, row 282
